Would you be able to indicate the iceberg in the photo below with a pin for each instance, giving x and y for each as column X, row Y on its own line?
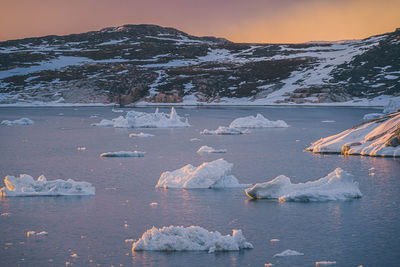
column 213, row 174
column 22, row 121
column 123, row 154
column 392, row 106
column 289, row 252
column 258, row 121
column 222, row 130
column 208, row 149
column 141, row 134
column 179, row 238
column 319, row 263
column 34, row 233
column 337, row 185
column 25, row 185
column 378, row 137
column 136, row 119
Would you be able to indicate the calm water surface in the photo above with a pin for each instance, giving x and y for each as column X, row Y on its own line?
column 352, row 233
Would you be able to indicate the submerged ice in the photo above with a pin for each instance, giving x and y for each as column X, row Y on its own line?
column 337, row 185
column 179, row 238
column 136, row 119
column 25, row 185
column 215, row 174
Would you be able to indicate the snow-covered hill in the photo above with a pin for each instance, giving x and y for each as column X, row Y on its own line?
column 149, row 64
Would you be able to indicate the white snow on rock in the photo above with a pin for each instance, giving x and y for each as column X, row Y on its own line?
column 25, row 185
column 179, row 238
column 214, row 174
column 222, row 130
column 319, row 263
column 135, row 119
column 392, row 106
column 371, row 116
column 141, row 134
column 208, row 149
column 288, row 252
column 337, row 185
column 22, row 121
column 123, row 154
column 258, row 121
column 379, row 137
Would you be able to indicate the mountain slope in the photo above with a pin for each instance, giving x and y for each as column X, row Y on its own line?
column 153, row 64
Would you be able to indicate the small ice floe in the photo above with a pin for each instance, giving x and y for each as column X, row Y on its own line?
column 258, row 121
column 371, row 116
column 179, row 238
column 141, row 134
column 25, row 185
column 74, row 255
column 208, row 149
column 123, row 154
column 321, row 263
column 328, row 121
column 6, row 214
column 81, row 148
column 94, row 116
column 378, row 137
column 337, row 185
column 222, row 130
column 117, row 110
column 153, row 204
column 129, row 240
column 372, row 169
column 215, row 174
column 22, row 121
column 268, row 265
column 288, row 252
column 135, row 119
column 38, row 234
column 194, row 139
column 273, row 240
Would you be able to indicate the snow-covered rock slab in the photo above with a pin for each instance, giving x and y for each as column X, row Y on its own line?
column 213, row 174
column 379, row 137
column 25, row 185
column 258, row 121
column 289, row 252
column 123, row 154
column 22, row 121
column 135, row 119
column 209, row 149
column 337, row 185
column 179, row 238
column 222, row 130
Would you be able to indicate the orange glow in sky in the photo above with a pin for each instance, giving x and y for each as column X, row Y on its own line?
column 276, row 21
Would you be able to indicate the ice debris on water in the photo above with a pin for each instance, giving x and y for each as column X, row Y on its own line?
column 22, row 121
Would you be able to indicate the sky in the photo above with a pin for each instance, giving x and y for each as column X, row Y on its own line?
column 254, row 21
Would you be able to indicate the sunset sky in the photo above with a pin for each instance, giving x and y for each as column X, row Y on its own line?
column 276, row 21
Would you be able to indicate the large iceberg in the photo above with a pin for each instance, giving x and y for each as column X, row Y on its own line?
column 213, row 174
column 135, row 119
column 209, row 149
column 22, row 121
column 338, row 185
column 123, row 154
column 222, row 130
column 258, row 121
column 25, row 185
column 379, row 137
column 179, row 238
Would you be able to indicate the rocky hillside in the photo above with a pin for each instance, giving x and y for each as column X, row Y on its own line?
column 152, row 64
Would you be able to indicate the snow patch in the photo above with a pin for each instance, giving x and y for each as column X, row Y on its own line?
column 337, row 185
column 179, row 238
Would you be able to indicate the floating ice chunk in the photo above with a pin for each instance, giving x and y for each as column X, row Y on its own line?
column 337, row 185
column 371, row 116
column 104, row 123
column 328, row 121
column 194, row 139
column 39, row 234
column 392, row 106
column 25, row 185
column 5, row 213
column 213, row 174
column 22, row 121
column 135, row 119
column 222, row 130
column 288, row 252
column 208, row 149
column 81, row 148
column 258, row 121
column 153, row 204
column 117, row 110
column 379, row 137
column 319, row 263
column 274, row 240
column 123, row 154
column 141, row 134
column 179, row 238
